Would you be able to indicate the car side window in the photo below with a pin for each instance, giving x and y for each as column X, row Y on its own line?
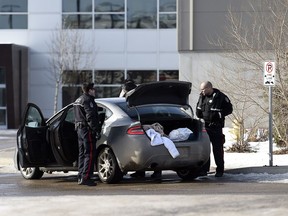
column 103, row 112
column 70, row 116
column 33, row 118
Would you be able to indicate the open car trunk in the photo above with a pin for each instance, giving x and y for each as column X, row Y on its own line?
column 158, row 95
column 171, row 124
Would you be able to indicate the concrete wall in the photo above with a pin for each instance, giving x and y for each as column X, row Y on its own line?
column 114, row 49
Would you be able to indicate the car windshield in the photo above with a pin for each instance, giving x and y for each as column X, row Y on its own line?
column 156, row 111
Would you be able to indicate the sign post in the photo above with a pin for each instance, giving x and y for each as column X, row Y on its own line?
column 269, row 80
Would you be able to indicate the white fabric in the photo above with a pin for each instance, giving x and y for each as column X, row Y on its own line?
column 157, row 139
column 180, row 134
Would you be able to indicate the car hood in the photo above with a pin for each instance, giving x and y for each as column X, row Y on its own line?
column 162, row 92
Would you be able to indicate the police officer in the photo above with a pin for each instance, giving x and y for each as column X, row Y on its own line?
column 213, row 106
column 87, row 126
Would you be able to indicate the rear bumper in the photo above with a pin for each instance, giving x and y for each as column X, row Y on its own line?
column 143, row 156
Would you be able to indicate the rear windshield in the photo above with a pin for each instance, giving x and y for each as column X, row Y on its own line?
column 157, row 111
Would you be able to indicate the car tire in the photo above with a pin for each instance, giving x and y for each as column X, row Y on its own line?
column 107, row 166
column 188, row 174
column 31, row 172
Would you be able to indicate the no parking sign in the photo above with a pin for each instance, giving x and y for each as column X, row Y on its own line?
column 269, row 73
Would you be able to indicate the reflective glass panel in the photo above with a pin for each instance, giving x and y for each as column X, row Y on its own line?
column 77, row 21
column 103, row 91
column 13, row 6
column 34, row 118
column 141, row 14
column 2, row 76
column 109, row 6
column 70, row 94
column 167, row 21
column 142, row 76
column 109, row 77
column 2, row 116
column 167, row 5
column 13, row 21
column 168, row 75
column 76, row 5
column 103, row 21
column 2, row 97
column 74, row 77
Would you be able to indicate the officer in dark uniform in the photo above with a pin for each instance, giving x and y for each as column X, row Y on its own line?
column 213, row 106
column 87, row 126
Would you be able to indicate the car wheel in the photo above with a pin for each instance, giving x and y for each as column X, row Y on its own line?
column 188, row 174
column 107, row 166
column 31, row 172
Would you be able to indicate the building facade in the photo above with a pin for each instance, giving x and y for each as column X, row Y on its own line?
column 133, row 39
column 201, row 24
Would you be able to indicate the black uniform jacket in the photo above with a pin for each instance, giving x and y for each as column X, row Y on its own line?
column 214, row 108
column 86, row 112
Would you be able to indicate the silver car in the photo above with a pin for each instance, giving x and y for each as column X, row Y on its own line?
column 125, row 145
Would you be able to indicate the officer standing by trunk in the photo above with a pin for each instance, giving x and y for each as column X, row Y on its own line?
column 213, row 106
column 88, row 130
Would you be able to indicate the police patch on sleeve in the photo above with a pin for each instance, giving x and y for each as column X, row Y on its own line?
column 91, row 105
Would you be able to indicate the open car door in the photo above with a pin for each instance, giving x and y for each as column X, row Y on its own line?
column 32, row 145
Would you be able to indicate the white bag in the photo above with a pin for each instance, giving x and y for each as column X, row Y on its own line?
column 180, row 134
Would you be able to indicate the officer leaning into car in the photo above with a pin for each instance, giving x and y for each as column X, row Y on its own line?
column 212, row 107
column 88, row 130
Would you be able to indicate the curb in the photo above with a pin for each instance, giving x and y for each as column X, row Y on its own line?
column 263, row 169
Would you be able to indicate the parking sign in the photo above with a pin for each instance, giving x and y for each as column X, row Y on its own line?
column 269, row 73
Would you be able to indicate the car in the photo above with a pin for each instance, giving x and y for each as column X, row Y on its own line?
column 51, row 145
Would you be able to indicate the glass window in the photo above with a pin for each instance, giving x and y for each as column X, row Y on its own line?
column 107, row 91
column 70, row 94
column 168, row 75
column 111, row 21
column 77, row 14
column 76, row 6
column 13, row 6
column 34, row 119
column 2, row 97
column 142, row 76
column 70, row 117
column 141, row 14
column 2, row 76
column 77, row 21
column 109, row 77
column 109, row 14
column 13, row 22
column 167, row 14
column 2, row 116
column 167, row 21
column 13, row 14
column 76, row 77
column 109, row 5
column 167, row 5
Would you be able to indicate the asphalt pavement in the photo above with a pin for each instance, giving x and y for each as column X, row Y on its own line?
column 8, row 143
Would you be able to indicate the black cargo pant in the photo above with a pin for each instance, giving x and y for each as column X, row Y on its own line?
column 217, row 140
column 87, row 153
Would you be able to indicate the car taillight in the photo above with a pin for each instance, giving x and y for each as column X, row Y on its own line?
column 135, row 130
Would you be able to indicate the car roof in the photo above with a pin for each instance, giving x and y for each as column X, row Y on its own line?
column 162, row 92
